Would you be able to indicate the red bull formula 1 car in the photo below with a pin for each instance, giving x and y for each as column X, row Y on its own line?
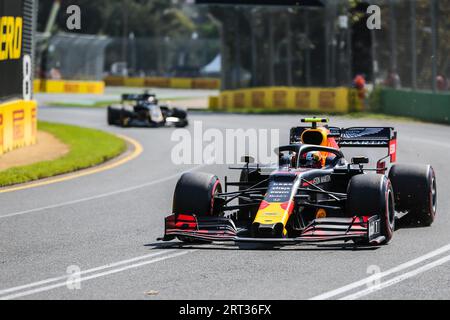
column 143, row 110
column 313, row 194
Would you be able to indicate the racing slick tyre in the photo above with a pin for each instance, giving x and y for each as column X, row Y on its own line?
column 194, row 194
column 109, row 116
column 182, row 123
column 414, row 192
column 179, row 113
column 113, row 115
column 176, row 113
column 182, row 116
column 369, row 195
column 124, row 117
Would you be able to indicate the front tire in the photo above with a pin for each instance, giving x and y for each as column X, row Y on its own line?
column 194, row 194
column 369, row 195
column 113, row 115
column 109, row 118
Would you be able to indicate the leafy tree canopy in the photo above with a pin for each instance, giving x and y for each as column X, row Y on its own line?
column 143, row 18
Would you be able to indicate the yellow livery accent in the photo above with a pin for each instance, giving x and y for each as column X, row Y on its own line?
column 18, row 124
column 10, row 38
column 318, row 136
column 274, row 213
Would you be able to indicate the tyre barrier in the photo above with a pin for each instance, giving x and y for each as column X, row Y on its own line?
column 325, row 100
column 164, row 82
column 69, row 86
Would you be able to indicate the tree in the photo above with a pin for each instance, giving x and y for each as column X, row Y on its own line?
column 156, row 18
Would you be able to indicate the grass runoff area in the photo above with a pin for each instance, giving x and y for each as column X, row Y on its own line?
column 88, row 147
column 269, row 111
column 105, row 103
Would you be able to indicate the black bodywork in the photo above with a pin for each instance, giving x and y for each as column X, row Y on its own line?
column 304, row 192
column 143, row 110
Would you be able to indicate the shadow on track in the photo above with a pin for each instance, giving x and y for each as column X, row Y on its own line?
column 265, row 247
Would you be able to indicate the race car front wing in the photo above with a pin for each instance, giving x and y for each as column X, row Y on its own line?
column 219, row 229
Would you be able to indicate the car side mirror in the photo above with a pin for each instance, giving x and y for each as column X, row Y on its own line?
column 360, row 160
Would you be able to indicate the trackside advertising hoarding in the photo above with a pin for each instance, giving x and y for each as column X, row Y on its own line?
column 18, row 112
column 16, row 47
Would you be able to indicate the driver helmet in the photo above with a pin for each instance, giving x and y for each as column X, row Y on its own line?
column 289, row 160
column 313, row 159
column 152, row 100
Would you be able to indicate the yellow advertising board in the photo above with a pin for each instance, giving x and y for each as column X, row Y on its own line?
column 65, row 86
column 327, row 100
column 164, row 82
column 18, row 124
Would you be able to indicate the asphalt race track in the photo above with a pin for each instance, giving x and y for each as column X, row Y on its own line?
column 107, row 223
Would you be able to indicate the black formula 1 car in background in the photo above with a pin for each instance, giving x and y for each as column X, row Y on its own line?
column 143, row 110
column 313, row 194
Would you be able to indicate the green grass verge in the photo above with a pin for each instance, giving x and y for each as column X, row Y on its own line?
column 88, row 147
column 379, row 116
column 260, row 111
column 268, row 111
column 105, row 103
column 95, row 104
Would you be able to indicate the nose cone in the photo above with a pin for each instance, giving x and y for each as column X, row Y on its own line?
column 274, row 230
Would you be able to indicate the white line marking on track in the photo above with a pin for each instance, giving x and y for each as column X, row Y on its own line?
column 107, row 266
column 94, row 276
column 375, row 277
column 99, row 196
column 397, row 279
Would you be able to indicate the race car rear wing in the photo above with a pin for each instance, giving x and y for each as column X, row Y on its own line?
column 357, row 137
column 137, row 97
column 370, row 137
column 377, row 137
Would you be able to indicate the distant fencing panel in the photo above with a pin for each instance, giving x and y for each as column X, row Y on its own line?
column 412, row 49
column 72, row 56
column 161, row 57
column 423, row 105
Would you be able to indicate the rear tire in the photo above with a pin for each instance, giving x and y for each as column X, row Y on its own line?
column 415, row 192
column 182, row 123
column 124, row 117
column 369, row 195
column 179, row 113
